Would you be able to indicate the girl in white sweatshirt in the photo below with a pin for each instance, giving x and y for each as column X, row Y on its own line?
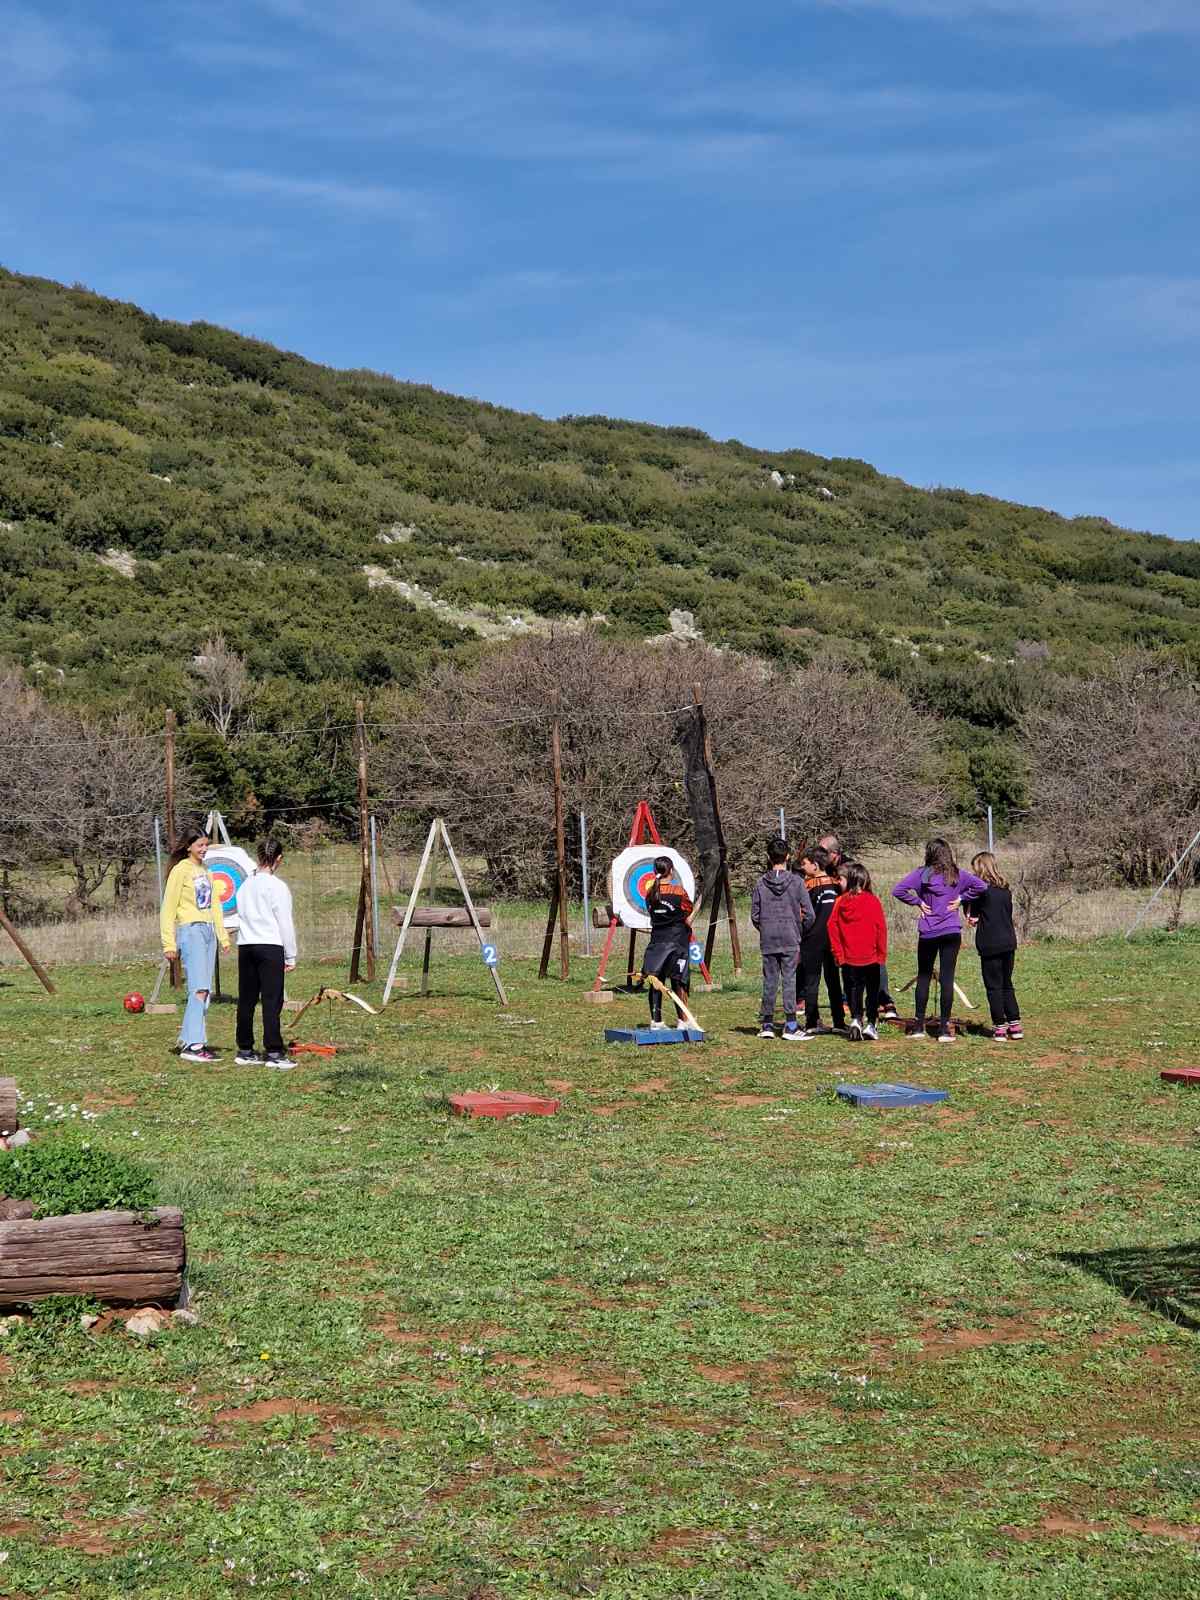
column 266, row 950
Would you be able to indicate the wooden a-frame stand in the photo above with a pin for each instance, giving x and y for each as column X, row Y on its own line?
column 34, row 964
column 643, row 831
column 437, row 834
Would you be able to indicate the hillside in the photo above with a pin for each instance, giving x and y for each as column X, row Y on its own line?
column 160, row 481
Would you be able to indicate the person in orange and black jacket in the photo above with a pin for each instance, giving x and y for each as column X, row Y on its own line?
column 837, row 859
column 816, row 958
column 667, row 956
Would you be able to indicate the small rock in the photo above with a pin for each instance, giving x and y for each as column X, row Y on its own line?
column 21, row 1137
column 146, row 1323
column 15, row 1210
column 88, row 1321
column 10, row 1324
column 189, row 1319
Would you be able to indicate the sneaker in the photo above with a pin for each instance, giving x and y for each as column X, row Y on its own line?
column 767, row 1031
column 946, row 1033
column 889, row 1013
column 915, row 1030
column 247, row 1058
column 856, row 1032
column 818, row 1029
column 657, row 1022
column 279, row 1062
column 1015, row 1031
column 1000, row 1034
column 793, row 1032
column 197, row 1052
column 869, row 1032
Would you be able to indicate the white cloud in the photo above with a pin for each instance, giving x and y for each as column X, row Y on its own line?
column 337, row 194
column 1097, row 21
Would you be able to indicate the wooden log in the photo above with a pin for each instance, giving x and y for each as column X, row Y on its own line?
column 602, row 916
column 442, row 917
column 119, row 1257
column 8, row 1106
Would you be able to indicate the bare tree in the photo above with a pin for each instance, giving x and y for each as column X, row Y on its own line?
column 1116, row 771
column 223, row 684
column 837, row 747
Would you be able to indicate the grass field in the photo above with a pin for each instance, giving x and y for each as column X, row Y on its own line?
column 705, row 1333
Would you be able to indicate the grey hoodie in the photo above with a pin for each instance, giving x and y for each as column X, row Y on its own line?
column 781, row 910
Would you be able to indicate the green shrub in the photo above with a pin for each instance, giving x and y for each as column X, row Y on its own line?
column 65, row 1174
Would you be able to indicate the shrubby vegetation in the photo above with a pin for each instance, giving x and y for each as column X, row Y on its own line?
column 165, row 487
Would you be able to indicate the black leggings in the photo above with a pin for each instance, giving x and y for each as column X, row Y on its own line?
column 997, row 980
column 670, row 963
column 862, row 984
column 815, row 960
column 944, row 950
column 260, row 974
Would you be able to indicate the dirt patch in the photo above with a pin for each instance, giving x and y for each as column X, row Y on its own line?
column 268, row 1410
column 561, row 1084
column 89, row 1538
column 20, row 1528
column 746, row 1099
column 678, row 1422
column 1165, row 1530
column 387, row 1328
column 1056, row 1526
column 12, row 1416
column 1006, row 1330
column 214, row 1493
column 673, row 1544
column 563, row 1380
column 651, row 1086
column 611, row 1110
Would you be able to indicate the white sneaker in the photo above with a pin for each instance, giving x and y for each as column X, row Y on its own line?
column 279, row 1063
column 856, row 1032
column 793, row 1032
column 248, row 1058
column 869, row 1032
column 767, row 1031
column 657, row 1022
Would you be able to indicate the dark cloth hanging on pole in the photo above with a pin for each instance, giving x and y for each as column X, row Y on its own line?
column 697, row 783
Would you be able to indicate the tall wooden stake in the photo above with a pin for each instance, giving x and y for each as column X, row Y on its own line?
column 169, row 808
column 558, row 897
column 364, row 930
column 735, row 943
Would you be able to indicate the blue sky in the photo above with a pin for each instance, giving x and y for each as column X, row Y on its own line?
column 957, row 238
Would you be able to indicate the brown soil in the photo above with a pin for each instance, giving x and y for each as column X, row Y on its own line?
column 1055, row 1524
column 387, row 1329
column 561, row 1084
column 684, row 1424
column 12, row 1416
column 1165, row 1530
column 19, row 1528
column 746, row 1099
column 1005, row 1330
column 651, row 1086
column 563, row 1380
column 90, row 1539
column 267, row 1410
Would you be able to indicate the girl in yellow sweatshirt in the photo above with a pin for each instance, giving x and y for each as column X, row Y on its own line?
column 190, row 924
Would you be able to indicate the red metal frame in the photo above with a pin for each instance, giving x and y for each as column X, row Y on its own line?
column 643, row 831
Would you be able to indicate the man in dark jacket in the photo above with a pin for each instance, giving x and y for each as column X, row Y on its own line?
column 781, row 911
column 887, row 1006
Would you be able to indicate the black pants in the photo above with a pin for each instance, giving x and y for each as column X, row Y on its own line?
column 997, row 980
column 862, row 987
column 671, row 964
column 260, row 973
column 944, row 950
column 816, row 960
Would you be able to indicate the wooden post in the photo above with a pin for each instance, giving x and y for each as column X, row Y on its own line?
column 364, row 931
column 169, row 808
column 558, row 899
column 735, row 943
column 431, row 897
column 27, row 953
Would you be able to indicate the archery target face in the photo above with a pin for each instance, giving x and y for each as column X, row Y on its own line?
column 629, row 878
column 228, row 867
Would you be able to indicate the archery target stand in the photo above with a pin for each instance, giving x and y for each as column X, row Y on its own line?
column 629, row 878
column 431, row 917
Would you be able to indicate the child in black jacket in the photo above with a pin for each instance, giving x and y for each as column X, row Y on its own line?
column 816, row 958
column 996, row 946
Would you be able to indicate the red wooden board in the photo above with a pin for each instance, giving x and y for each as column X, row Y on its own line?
column 503, row 1104
column 1181, row 1075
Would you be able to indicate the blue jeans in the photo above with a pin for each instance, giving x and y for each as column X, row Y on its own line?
column 198, row 951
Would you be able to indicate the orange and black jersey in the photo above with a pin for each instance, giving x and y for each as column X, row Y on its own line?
column 669, row 911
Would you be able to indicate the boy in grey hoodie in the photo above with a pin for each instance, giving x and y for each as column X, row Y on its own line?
column 781, row 910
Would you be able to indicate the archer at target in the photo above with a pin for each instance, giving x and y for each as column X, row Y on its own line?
column 668, row 904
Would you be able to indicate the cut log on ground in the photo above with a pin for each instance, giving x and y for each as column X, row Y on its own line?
column 442, row 917
column 122, row 1258
column 8, row 1106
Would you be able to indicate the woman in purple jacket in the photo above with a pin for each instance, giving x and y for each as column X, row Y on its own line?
column 939, row 889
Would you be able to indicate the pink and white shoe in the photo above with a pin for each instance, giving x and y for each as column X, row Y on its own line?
column 1000, row 1034
column 1015, row 1031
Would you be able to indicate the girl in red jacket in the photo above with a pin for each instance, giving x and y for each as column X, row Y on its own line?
column 858, row 939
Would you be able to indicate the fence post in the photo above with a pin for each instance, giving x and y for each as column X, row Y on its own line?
column 782, row 824
column 587, row 905
column 158, row 857
column 991, row 835
column 375, row 880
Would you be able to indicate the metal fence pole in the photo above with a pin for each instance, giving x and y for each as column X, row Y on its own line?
column 374, row 883
column 782, row 824
column 587, row 906
column 158, row 857
column 991, row 835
